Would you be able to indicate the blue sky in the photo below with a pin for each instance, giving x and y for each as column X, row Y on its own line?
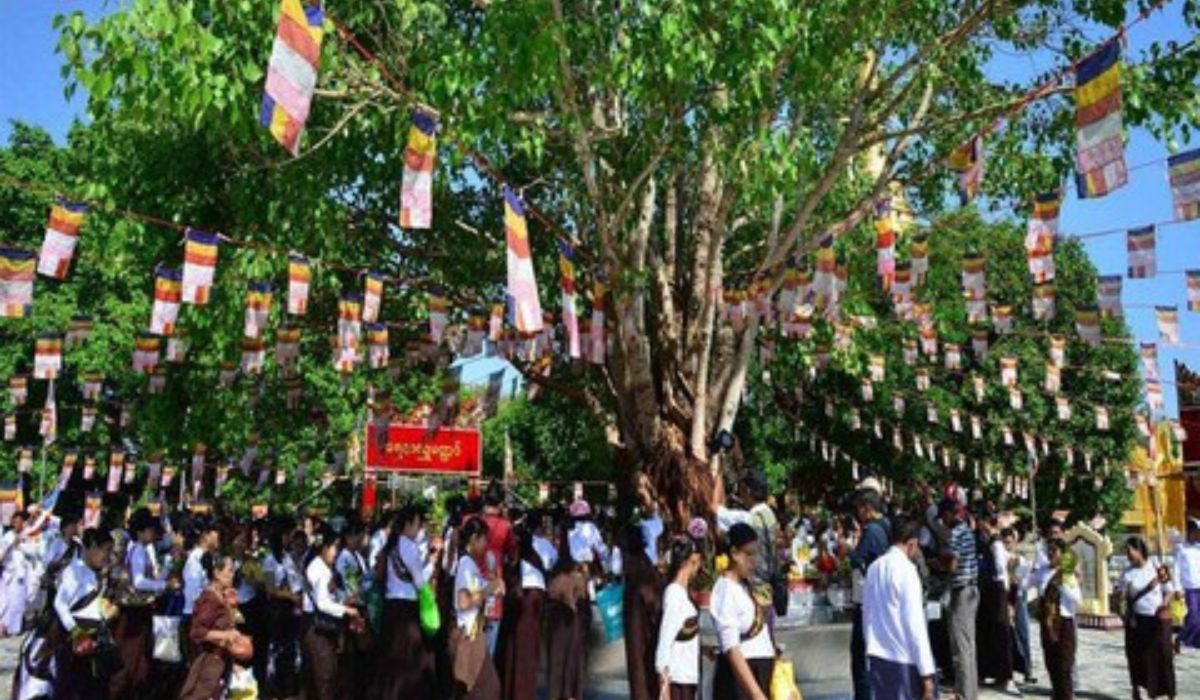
column 31, row 90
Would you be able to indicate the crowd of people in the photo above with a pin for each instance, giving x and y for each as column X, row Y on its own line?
column 493, row 600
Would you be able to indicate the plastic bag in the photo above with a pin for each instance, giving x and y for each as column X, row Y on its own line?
column 783, row 682
column 242, row 684
column 1178, row 611
column 166, row 639
column 431, row 616
column 611, row 602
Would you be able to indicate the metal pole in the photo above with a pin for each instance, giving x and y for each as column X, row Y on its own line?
column 42, row 475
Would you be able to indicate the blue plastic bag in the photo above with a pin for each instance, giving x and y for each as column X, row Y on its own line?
column 611, row 602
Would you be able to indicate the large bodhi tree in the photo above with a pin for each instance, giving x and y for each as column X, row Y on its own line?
column 686, row 147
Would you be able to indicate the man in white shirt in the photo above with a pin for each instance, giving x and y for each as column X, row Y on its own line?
column 900, row 660
column 1187, row 582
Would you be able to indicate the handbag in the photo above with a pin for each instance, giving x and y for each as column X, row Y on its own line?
column 323, row 623
column 166, row 639
column 783, row 682
column 242, row 684
column 431, row 616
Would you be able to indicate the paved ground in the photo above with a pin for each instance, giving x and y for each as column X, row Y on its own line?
column 824, row 667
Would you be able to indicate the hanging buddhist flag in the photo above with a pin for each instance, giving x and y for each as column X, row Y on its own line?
column 1149, row 355
column 1062, row 408
column 345, row 357
column 1053, row 378
column 287, row 347
column 1002, row 319
column 47, row 356
column 1043, row 302
column 1058, row 350
column 62, row 232
column 1087, row 325
column 116, row 468
column 899, row 405
column 16, row 282
column 1154, row 397
column 952, row 354
column 372, row 299
column 931, row 414
column 1042, row 228
column 294, row 388
column 177, row 347
column 496, row 323
column 258, row 309
column 350, row 311
column 955, row 420
column 525, row 309
column 439, row 306
column 1184, row 174
column 1008, row 371
column 299, row 279
column 570, row 314
column 292, row 72
column 199, row 264
column 1016, row 400
column 1108, row 293
column 416, row 188
column 476, row 331
column 92, row 505
column 1143, row 262
column 168, row 291
column 253, row 355
column 868, row 390
column 158, row 380
column 976, row 428
column 227, row 374
column 885, row 246
column 877, row 368
column 826, row 267
column 918, row 253
column 87, row 419
column 1101, row 418
column 49, row 427
column 979, row 343
column 1193, row 290
column 10, row 427
column 24, row 460
column 168, row 476
column 145, row 352
column 1168, row 323
column 89, row 467
column 79, row 329
column 1100, row 140
column 908, row 351
column 967, row 161
column 922, row 376
column 597, row 342
column 93, row 383
column 377, row 345
column 18, row 389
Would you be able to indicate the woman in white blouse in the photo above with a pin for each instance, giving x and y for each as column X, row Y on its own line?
column 323, row 594
column 522, row 648
column 747, row 657
column 1060, row 601
column 407, row 670
column 475, row 676
column 677, row 657
column 134, row 627
column 1148, row 645
column 77, row 607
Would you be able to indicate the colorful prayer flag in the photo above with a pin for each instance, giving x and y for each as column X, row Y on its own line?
column 1142, row 259
column 597, row 344
column 62, row 232
column 287, row 347
column 294, row 388
column 47, row 356
column 1053, row 378
column 87, row 419
column 952, row 354
column 885, row 247
column 299, row 279
column 93, row 384
column 1044, row 296
column 1101, row 418
column 253, row 355
column 570, row 312
column 967, row 161
column 18, row 389
column 168, row 291
column 979, row 342
column 10, row 427
column 1100, row 141
column 1042, row 228
column 876, row 368
column 1168, row 323
column 16, row 282
column 1108, row 292
column 177, row 348
column 145, row 353
column 416, row 188
column 1184, row 174
column 1008, row 371
column 1002, row 318
column 79, row 329
column 49, row 427
column 1149, row 354
column 258, row 309
column 377, row 345
column 918, row 253
column 1062, row 408
column 158, row 380
column 476, row 332
column 199, row 263
column 292, row 72
column 349, row 320
column 1058, row 350
column 1154, row 397
column 524, row 306
column 372, row 297
column 826, row 266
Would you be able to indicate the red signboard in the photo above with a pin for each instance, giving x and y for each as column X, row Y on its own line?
column 412, row 449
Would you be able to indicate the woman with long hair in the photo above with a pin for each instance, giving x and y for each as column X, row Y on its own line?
column 993, row 626
column 523, row 645
column 677, row 657
column 641, row 612
column 216, row 642
column 406, row 668
column 281, row 581
column 249, row 580
column 1060, row 601
column 134, row 629
column 324, row 620
column 474, row 674
column 1148, row 645
column 747, row 657
column 568, row 620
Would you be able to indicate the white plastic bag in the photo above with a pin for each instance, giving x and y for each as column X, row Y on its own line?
column 166, row 639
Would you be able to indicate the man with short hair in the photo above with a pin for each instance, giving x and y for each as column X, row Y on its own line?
column 901, row 662
column 964, row 598
column 873, row 542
